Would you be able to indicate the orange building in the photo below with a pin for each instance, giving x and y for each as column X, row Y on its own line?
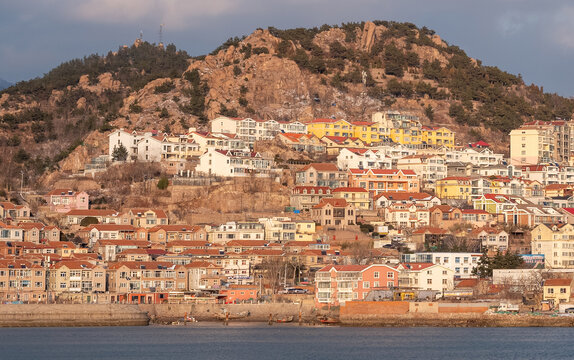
column 240, row 293
column 384, row 180
column 336, row 284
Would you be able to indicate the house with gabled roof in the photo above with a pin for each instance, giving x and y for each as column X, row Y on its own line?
column 104, row 216
column 321, row 174
column 64, row 200
column 362, row 158
column 13, row 212
column 384, row 180
column 336, row 213
column 143, row 217
column 358, row 197
column 386, row 199
column 334, row 144
column 425, row 276
column 337, row 284
column 305, row 197
column 302, row 142
column 228, row 163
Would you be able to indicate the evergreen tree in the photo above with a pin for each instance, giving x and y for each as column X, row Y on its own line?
column 120, row 153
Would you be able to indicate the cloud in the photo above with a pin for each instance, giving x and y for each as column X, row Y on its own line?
column 513, row 23
column 175, row 14
column 563, row 27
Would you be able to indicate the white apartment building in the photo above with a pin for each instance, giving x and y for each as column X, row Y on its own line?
column 462, row 264
column 426, row 276
column 251, row 130
column 352, row 158
column 429, row 168
column 230, row 163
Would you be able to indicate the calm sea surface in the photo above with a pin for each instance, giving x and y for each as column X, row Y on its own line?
column 285, row 341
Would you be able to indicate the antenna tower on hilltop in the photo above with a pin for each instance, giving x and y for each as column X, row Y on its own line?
column 161, row 36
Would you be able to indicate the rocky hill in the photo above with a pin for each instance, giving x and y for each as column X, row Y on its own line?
column 347, row 71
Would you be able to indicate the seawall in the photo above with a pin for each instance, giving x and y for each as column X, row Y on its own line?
column 405, row 314
column 167, row 313
column 39, row 315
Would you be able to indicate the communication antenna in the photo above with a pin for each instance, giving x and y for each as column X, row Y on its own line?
column 141, row 35
column 161, row 35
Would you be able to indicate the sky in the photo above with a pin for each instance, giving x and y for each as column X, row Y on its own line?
column 533, row 38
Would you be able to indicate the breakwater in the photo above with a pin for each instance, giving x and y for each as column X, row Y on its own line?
column 38, row 315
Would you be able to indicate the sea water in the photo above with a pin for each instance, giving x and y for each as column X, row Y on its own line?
column 284, row 341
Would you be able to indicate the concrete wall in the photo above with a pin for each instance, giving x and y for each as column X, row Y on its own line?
column 25, row 315
column 207, row 312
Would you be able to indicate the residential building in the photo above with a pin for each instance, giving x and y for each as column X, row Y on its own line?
column 302, row 142
column 204, row 276
column 463, row 264
column 305, row 197
column 321, row 174
column 556, row 243
column 491, row 238
column 251, row 130
column 335, row 213
column 143, row 217
column 64, row 200
column 429, row 168
column 386, row 199
column 384, row 180
column 362, row 158
column 74, row 276
column 22, row 281
column 337, row 284
column 146, row 277
column 557, row 290
column 426, row 276
column 104, row 216
column 358, row 197
column 240, row 230
column 235, row 163
column 12, row 212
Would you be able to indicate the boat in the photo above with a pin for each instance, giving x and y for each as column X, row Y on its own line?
column 286, row 319
column 328, row 320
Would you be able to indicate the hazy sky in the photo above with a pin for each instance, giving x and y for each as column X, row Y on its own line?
column 532, row 37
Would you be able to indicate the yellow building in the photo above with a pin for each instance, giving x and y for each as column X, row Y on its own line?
column 555, row 242
column 304, row 230
column 385, row 126
column 454, row 187
column 557, row 290
column 330, row 127
column 437, row 136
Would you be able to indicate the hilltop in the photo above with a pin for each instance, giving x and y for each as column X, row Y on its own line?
column 347, row 71
column 4, row 84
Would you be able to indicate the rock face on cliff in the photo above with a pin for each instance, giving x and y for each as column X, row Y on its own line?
column 348, row 71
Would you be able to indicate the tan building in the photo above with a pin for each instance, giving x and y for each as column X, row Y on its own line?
column 22, row 281
column 164, row 234
column 356, row 196
column 70, row 277
column 146, row 277
column 334, row 213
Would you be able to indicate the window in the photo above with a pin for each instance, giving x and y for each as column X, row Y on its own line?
column 376, row 275
column 366, row 285
column 390, row 275
column 429, row 281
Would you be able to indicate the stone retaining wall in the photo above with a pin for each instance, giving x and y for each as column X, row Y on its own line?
column 28, row 315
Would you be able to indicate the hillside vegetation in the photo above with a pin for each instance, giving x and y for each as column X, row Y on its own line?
column 347, row 71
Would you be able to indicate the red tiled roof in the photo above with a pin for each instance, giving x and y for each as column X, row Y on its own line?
column 557, row 282
column 417, row 266
column 350, row 189
column 342, row 268
column 92, row 212
column 338, row 203
column 321, row 167
column 403, row 196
